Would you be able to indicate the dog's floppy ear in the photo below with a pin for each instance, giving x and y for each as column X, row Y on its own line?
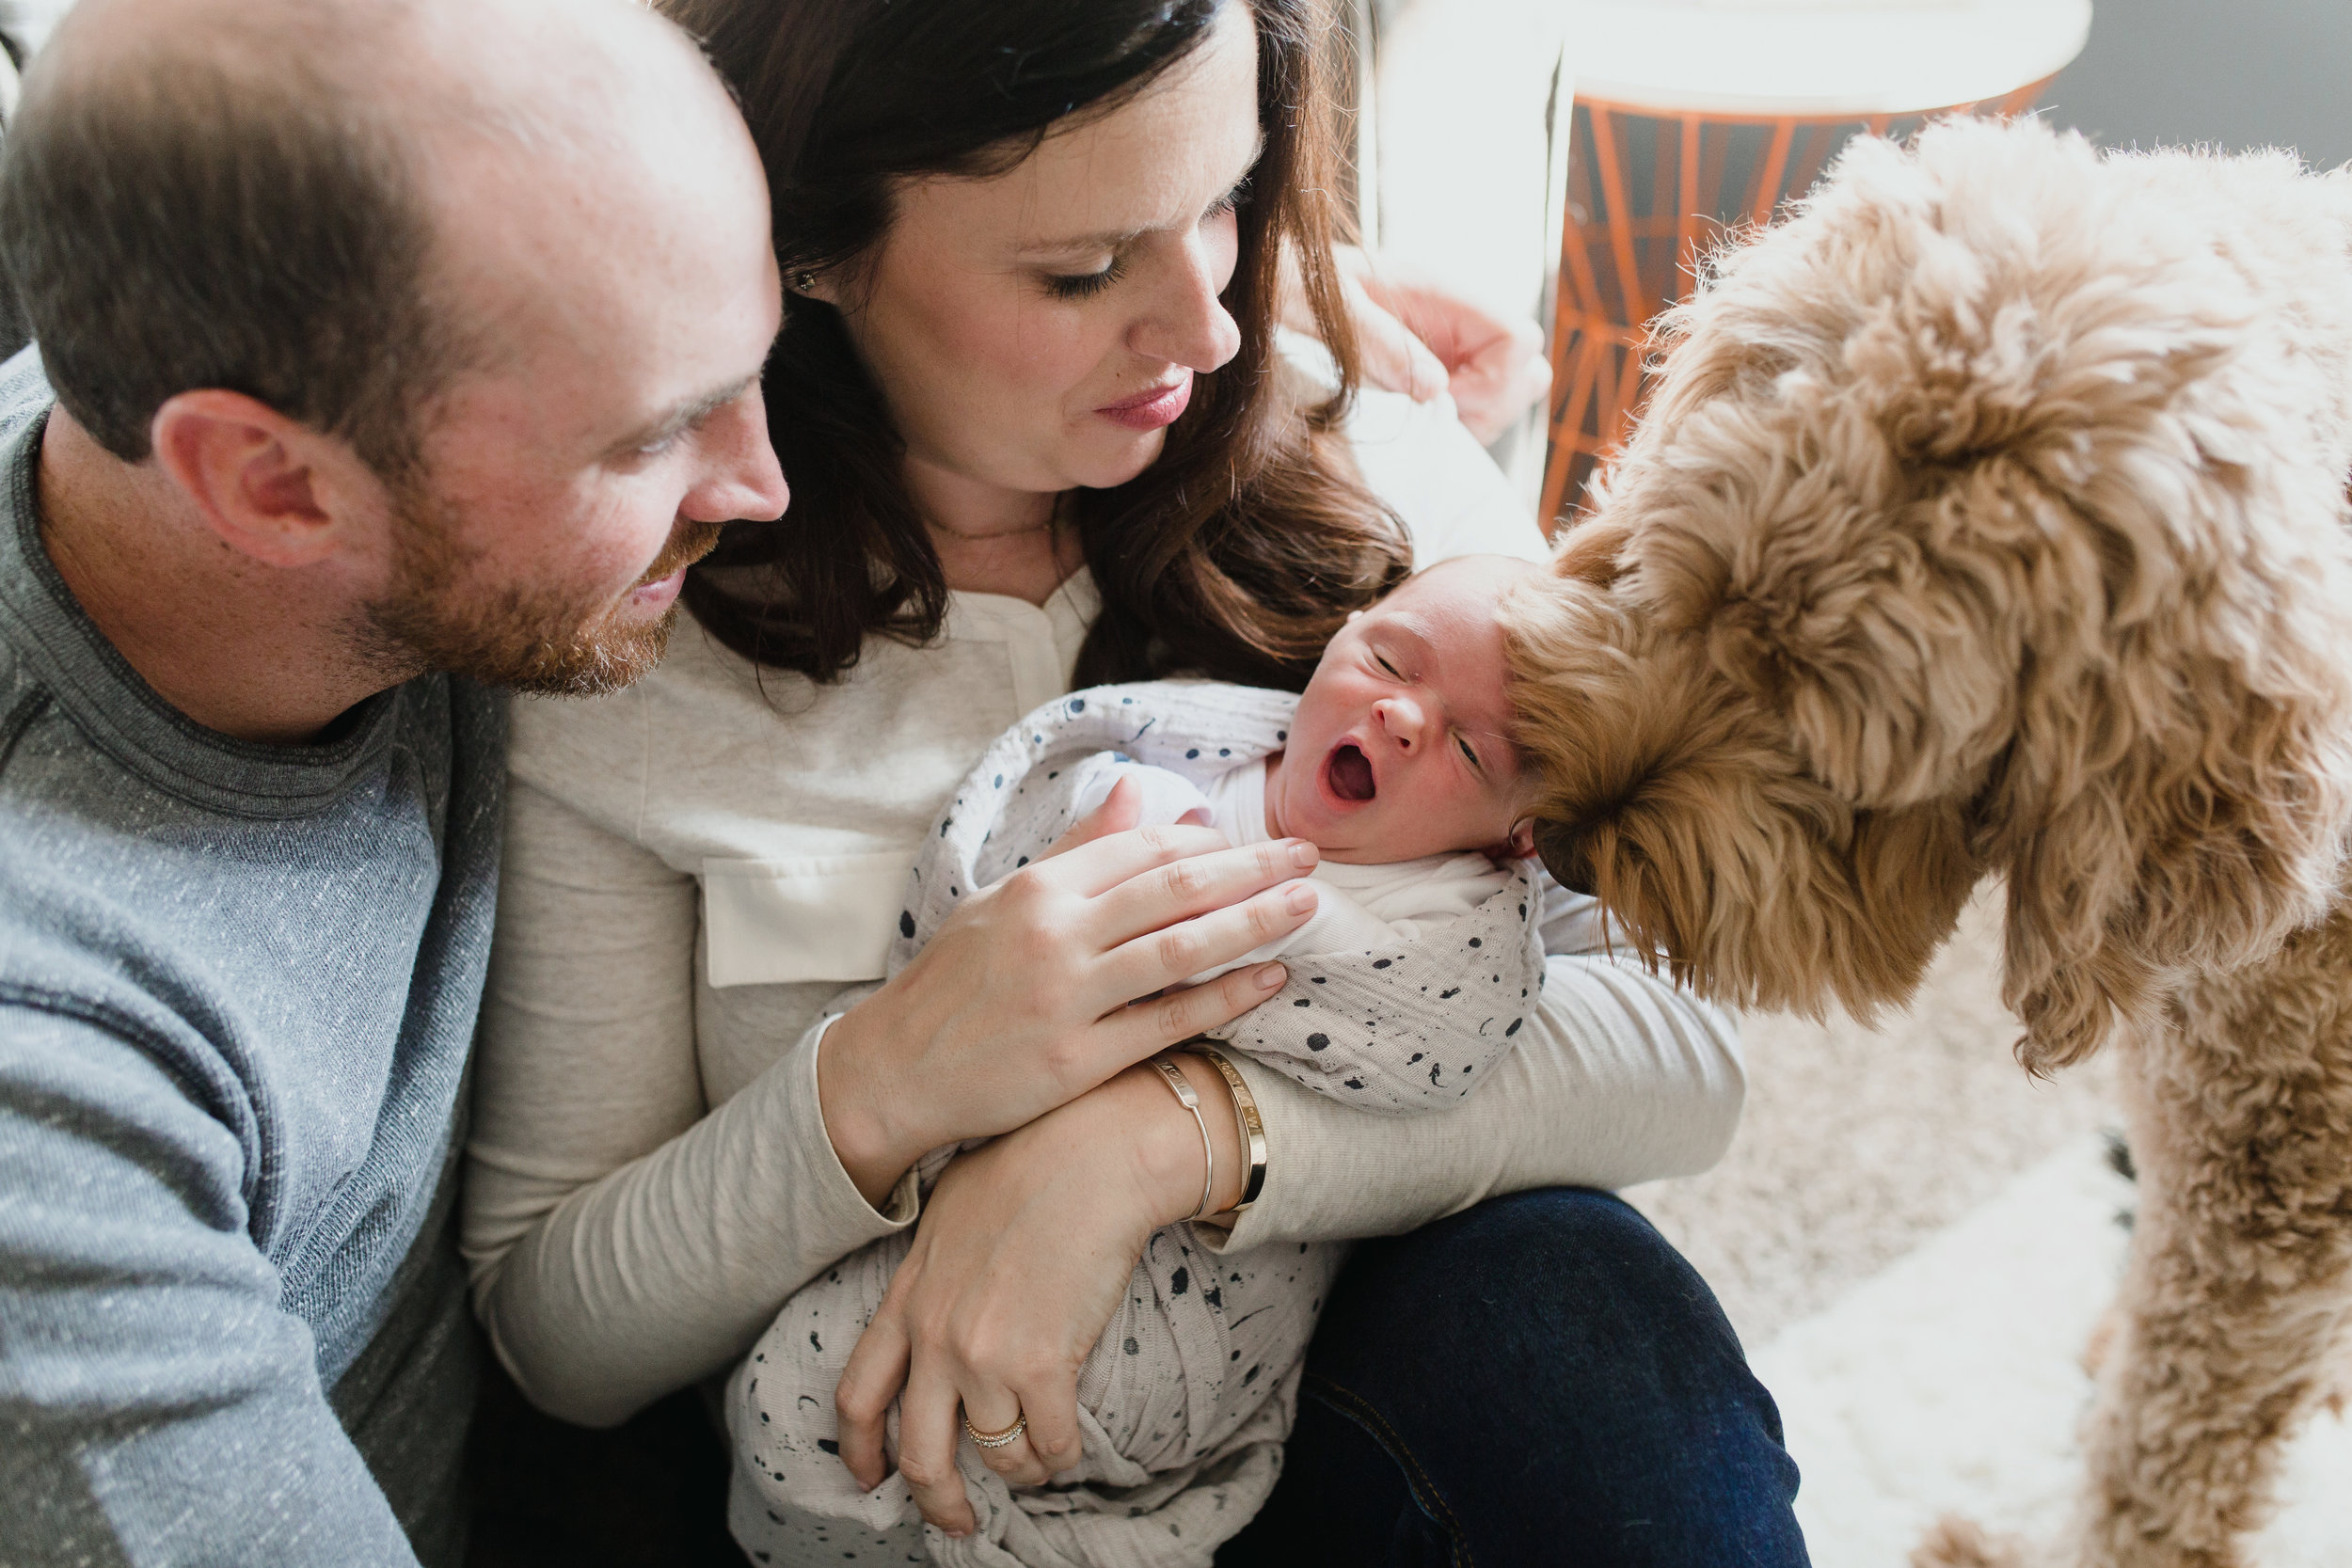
column 2167, row 822
column 2180, row 803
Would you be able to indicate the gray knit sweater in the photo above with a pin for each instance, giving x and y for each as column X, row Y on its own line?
column 238, row 985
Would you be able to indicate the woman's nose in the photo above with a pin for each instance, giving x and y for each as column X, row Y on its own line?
column 1186, row 323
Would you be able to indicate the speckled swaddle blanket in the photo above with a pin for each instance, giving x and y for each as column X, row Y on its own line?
column 1184, row 1401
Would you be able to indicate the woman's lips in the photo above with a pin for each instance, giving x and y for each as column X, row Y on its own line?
column 1347, row 774
column 1153, row 409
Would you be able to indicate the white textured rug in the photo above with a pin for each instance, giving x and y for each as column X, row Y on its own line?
column 1914, row 1240
column 1952, row 1383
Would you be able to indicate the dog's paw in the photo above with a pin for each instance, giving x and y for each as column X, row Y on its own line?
column 1957, row 1543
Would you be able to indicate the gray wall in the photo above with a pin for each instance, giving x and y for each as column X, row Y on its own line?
column 2237, row 72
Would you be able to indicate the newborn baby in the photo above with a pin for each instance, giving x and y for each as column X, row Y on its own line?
column 1405, row 985
column 1414, row 797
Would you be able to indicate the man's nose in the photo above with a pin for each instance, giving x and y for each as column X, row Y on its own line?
column 745, row 478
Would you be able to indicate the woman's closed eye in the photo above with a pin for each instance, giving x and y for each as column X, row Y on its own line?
column 1085, row 285
column 1469, row 754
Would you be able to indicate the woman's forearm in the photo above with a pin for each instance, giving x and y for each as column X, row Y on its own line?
column 1621, row 1078
column 659, row 1272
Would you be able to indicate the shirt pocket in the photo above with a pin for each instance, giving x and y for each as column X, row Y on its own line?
column 826, row 917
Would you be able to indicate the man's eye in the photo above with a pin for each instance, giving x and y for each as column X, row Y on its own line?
column 1085, row 285
column 666, row 442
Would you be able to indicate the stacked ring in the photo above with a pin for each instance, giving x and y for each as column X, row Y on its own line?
column 994, row 1439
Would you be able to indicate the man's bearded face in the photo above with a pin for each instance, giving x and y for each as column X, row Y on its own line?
column 551, row 638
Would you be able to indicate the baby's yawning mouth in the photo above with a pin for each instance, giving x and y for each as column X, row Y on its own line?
column 1350, row 772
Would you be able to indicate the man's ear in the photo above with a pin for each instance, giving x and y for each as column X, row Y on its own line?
column 271, row 487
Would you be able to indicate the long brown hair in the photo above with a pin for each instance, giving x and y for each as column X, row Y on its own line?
column 1244, row 546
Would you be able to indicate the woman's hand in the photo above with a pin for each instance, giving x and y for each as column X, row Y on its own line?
column 1020, row 1259
column 1021, row 1003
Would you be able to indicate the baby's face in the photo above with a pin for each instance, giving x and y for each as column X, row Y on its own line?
column 1399, row 749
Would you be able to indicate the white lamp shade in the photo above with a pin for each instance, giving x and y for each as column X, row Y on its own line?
column 1817, row 57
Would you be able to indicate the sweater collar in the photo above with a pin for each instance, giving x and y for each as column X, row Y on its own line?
column 107, row 700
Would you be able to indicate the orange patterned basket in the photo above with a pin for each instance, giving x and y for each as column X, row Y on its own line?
column 1694, row 118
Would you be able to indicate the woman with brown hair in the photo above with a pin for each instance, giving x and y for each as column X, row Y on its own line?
column 1040, row 434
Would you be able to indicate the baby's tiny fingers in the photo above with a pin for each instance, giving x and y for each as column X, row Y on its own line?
column 1120, row 809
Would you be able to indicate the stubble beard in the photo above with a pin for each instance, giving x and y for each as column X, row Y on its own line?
column 534, row 638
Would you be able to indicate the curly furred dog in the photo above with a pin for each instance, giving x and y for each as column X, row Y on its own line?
column 1989, row 518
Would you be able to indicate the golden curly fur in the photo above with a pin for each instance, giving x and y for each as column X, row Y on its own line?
column 1989, row 518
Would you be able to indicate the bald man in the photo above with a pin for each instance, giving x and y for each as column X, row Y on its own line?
column 385, row 352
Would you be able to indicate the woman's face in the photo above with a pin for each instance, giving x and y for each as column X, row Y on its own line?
column 1039, row 330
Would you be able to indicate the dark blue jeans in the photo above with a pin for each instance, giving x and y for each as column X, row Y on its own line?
column 1541, row 1380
